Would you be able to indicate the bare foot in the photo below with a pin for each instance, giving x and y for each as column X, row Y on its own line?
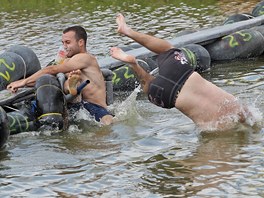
column 74, row 79
column 122, row 26
column 119, row 54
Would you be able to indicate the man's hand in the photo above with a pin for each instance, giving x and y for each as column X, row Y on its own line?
column 15, row 85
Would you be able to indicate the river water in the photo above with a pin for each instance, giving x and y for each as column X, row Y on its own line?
column 149, row 152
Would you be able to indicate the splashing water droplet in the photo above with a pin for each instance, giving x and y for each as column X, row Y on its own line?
column 127, row 108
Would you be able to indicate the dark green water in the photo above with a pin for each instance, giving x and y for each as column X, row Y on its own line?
column 150, row 152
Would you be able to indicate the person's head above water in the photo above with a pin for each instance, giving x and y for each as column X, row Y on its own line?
column 74, row 40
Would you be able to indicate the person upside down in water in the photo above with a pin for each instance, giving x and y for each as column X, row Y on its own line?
column 178, row 85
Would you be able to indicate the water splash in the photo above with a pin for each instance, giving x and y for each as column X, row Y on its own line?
column 81, row 114
column 81, row 120
column 253, row 120
column 257, row 115
column 124, row 111
column 127, row 109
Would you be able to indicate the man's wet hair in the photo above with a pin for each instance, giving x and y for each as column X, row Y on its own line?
column 80, row 32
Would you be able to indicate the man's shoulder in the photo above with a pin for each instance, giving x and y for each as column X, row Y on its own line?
column 85, row 54
column 85, row 59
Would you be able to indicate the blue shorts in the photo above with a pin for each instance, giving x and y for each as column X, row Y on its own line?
column 95, row 110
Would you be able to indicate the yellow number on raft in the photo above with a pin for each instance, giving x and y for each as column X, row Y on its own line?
column 232, row 41
column 12, row 122
column 126, row 75
column 5, row 76
column 16, row 122
column 116, row 79
column 246, row 36
column 12, row 68
column 261, row 12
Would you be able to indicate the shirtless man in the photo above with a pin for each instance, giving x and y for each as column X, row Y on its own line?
column 78, row 58
column 177, row 85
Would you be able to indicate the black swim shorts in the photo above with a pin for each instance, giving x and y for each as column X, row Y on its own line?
column 174, row 70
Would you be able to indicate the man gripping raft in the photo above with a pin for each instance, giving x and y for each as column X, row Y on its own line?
column 177, row 85
column 74, row 40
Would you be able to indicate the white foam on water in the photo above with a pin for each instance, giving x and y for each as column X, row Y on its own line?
column 127, row 109
column 257, row 115
column 253, row 120
column 81, row 116
column 73, row 128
